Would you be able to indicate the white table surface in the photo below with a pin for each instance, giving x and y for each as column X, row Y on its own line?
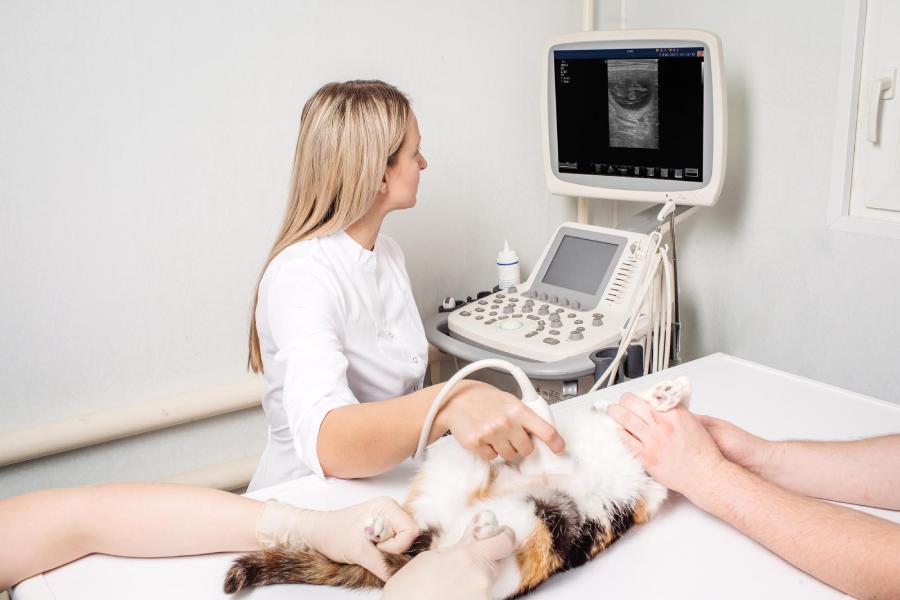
column 682, row 552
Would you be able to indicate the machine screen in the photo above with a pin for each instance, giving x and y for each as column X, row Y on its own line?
column 630, row 112
column 580, row 264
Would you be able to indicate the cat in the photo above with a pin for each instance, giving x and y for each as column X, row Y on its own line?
column 560, row 521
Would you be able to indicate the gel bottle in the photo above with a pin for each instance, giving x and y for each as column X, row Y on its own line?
column 508, row 267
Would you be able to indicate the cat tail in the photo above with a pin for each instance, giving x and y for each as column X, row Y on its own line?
column 268, row 567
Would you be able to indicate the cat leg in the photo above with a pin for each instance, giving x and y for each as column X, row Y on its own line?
column 377, row 529
column 663, row 396
column 485, row 525
column 668, row 394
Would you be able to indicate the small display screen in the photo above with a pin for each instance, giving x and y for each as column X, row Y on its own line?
column 630, row 112
column 580, row 264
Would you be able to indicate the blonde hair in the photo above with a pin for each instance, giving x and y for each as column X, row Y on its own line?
column 349, row 133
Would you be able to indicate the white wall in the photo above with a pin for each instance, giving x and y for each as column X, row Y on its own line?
column 763, row 278
column 144, row 160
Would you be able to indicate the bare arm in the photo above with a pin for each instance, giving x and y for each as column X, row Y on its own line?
column 46, row 529
column 859, row 472
column 362, row 440
column 847, row 549
column 854, row 552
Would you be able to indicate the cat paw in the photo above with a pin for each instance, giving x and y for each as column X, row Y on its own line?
column 376, row 529
column 486, row 525
column 669, row 394
column 600, row 404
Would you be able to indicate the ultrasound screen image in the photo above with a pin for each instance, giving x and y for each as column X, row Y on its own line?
column 630, row 112
column 633, row 103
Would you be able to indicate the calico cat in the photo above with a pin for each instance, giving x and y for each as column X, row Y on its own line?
column 560, row 521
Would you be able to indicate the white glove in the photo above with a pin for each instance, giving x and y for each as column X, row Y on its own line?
column 464, row 571
column 351, row 535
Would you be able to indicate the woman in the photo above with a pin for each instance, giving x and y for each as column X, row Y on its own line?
column 335, row 329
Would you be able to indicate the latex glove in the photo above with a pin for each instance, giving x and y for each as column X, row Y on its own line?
column 353, row 535
column 464, row 571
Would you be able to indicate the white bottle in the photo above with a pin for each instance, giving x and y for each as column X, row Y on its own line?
column 508, row 267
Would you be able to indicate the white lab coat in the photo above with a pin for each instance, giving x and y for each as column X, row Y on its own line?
column 337, row 325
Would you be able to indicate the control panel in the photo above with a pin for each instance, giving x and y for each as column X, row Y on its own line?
column 576, row 300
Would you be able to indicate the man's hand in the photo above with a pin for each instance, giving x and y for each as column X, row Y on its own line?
column 466, row 570
column 738, row 446
column 675, row 448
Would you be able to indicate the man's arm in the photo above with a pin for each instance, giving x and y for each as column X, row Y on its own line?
column 849, row 550
column 854, row 552
column 859, row 472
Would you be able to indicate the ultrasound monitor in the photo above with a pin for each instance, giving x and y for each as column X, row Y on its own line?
column 635, row 115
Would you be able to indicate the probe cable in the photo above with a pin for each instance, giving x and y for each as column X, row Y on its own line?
column 659, row 274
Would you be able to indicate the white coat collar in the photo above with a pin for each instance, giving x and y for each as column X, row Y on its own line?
column 361, row 256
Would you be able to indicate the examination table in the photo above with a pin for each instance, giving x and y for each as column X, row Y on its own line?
column 681, row 553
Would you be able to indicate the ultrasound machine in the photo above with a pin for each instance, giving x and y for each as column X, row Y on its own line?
column 629, row 115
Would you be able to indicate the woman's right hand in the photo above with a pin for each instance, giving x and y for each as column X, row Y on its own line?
column 489, row 421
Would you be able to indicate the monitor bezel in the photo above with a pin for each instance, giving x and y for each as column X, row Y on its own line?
column 704, row 192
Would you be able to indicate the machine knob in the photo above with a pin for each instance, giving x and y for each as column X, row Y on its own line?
column 564, row 301
column 543, row 295
column 543, row 310
column 576, row 336
column 527, row 308
column 576, row 305
column 508, row 309
column 597, row 322
column 512, row 290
